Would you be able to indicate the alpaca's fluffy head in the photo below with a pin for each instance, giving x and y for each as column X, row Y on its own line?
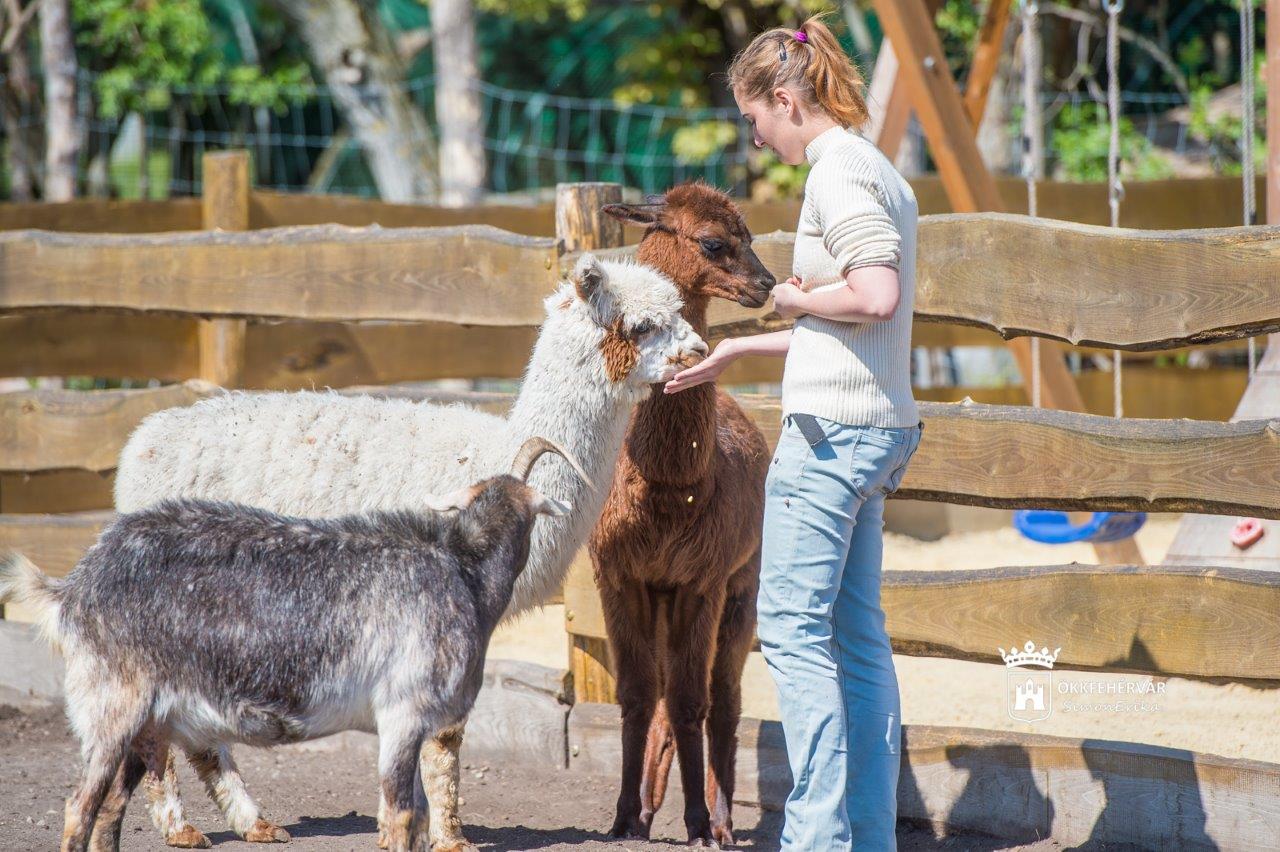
column 634, row 314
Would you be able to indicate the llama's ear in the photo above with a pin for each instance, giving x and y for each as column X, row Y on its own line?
column 588, row 277
column 638, row 214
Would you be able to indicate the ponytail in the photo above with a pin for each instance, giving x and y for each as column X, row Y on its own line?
column 810, row 62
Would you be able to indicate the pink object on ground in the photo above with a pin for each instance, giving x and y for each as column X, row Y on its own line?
column 1246, row 532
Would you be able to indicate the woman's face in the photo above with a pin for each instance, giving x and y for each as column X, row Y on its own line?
column 776, row 123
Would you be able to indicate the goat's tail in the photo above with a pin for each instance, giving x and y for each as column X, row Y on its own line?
column 22, row 582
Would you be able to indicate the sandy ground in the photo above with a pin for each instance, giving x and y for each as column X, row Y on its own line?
column 323, row 794
column 1231, row 720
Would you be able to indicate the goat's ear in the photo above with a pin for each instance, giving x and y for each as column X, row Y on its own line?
column 459, row 499
column 588, row 277
column 638, row 214
column 544, row 505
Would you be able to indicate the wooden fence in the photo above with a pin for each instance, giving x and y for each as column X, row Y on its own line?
column 174, row 305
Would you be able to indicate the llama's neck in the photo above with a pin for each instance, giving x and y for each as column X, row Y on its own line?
column 567, row 398
column 672, row 436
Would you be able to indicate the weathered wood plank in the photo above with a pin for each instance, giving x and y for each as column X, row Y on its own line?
column 270, row 209
column 102, row 215
column 56, row 429
column 54, row 542
column 1019, row 787
column 1140, row 290
column 983, row 455
column 466, row 275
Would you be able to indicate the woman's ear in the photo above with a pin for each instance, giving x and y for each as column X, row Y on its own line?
column 785, row 102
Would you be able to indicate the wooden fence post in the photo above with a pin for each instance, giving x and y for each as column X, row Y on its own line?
column 224, row 206
column 580, row 226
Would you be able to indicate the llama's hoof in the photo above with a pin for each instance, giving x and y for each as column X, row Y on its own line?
column 383, row 842
column 723, row 834
column 264, row 832
column 188, row 837
column 629, row 828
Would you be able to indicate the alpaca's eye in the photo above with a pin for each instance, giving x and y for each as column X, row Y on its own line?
column 642, row 328
column 711, row 246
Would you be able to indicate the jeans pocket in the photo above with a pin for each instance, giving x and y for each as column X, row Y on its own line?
column 895, row 478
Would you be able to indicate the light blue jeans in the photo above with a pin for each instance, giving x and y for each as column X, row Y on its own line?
column 823, row 635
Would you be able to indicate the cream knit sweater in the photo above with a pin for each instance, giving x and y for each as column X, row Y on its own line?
column 857, row 211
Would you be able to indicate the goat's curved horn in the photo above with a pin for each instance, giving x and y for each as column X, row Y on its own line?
column 533, row 449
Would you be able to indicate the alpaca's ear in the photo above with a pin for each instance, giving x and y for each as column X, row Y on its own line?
column 588, row 277
column 638, row 214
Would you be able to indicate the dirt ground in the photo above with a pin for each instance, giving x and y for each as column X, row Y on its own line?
column 323, row 793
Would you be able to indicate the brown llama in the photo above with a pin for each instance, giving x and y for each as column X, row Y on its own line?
column 677, row 549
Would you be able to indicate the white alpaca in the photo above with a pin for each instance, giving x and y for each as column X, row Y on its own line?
column 608, row 335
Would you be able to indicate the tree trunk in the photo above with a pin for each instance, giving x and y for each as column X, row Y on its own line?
column 15, row 106
column 355, row 53
column 62, row 137
column 453, row 45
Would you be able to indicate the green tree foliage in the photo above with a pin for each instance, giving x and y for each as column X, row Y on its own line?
column 144, row 51
column 1082, row 137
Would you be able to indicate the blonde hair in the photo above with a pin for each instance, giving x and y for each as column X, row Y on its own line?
column 814, row 67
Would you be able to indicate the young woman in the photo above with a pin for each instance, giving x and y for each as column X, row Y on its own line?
column 850, row 425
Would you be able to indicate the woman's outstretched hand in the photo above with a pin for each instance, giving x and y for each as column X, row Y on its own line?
column 707, row 370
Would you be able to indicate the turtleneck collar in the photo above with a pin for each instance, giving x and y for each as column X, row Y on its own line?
column 822, row 142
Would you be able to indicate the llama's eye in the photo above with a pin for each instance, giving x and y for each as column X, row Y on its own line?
column 643, row 328
column 711, row 246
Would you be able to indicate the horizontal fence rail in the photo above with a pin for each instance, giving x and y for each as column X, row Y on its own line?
column 973, row 454
column 1012, row 275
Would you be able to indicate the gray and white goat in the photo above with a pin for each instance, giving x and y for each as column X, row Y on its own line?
column 200, row 622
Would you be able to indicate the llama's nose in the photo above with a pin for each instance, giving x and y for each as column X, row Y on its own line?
column 701, row 348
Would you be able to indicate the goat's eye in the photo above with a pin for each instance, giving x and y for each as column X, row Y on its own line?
column 643, row 328
column 711, row 246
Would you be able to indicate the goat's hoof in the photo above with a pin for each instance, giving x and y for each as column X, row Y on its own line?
column 723, row 834
column 383, row 842
column 703, row 843
column 456, row 844
column 264, row 832
column 188, row 837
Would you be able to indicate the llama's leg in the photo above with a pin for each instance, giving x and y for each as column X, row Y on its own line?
column 400, row 737
column 222, row 780
column 659, row 751
column 440, row 770
column 160, row 782
column 106, row 828
column 691, row 646
column 737, row 632
column 629, row 613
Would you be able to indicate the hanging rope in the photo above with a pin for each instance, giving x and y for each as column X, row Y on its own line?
column 1032, row 141
column 1249, row 194
column 1115, row 189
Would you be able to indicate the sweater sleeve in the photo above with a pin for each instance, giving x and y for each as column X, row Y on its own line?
column 856, row 226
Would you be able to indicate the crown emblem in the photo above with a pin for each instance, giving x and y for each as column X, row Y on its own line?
column 1029, row 656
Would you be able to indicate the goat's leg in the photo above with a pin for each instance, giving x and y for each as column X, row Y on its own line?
column 659, row 751
column 160, row 782
column 629, row 612
column 222, row 780
column 440, row 770
column 106, row 828
column 108, row 714
column 399, row 746
column 691, row 646
column 733, row 645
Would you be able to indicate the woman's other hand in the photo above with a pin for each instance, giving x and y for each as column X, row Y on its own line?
column 707, row 370
column 787, row 297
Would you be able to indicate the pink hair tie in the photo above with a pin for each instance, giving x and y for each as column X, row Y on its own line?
column 800, row 36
